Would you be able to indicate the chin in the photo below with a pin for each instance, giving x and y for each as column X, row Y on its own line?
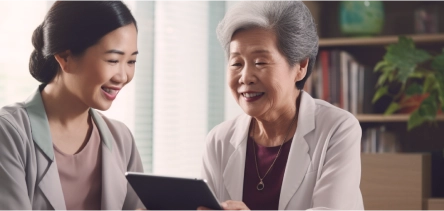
column 249, row 111
column 102, row 107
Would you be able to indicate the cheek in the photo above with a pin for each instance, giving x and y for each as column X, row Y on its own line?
column 94, row 71
column 276, row 88
column 233, row 84
column 99, row 75
column 130, row 74
column 232, row 81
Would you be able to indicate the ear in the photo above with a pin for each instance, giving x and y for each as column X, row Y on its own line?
column 63, row 58
column 301, row 70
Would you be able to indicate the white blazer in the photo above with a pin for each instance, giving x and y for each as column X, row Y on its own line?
column 323, row 170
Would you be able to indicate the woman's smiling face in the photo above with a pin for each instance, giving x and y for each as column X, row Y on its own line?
column 97, row 75
column 259, row 76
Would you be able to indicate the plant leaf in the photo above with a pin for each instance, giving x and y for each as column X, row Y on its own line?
column 418, row 74
column 429, row 83
column 382, row 78
column 391, row 77
column 405, row 57
column 392, row 108
column 438, row 63
column 413, row 89
column 428, row 108
column 379, row 65
column 426, row 112
column 440, row 87
column 379, row 93
column 414, row 120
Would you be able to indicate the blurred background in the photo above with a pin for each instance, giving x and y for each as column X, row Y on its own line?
column 179, row 91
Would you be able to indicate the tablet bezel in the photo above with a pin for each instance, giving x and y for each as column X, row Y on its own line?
column 160, row 199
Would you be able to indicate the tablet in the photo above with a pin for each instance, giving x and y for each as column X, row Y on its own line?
column 172, row 193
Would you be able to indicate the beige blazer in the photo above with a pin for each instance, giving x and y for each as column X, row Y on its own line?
column 323, row 170
column 29, row 178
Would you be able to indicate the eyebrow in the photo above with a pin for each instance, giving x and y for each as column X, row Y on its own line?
column 120, row 52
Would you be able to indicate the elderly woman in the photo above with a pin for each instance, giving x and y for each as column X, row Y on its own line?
column 288, row 151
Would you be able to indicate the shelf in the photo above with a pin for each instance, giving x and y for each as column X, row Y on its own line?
column 389, row 118
column 377, row 41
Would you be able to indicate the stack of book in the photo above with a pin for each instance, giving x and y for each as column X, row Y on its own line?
column 339, row 79
column 379, row 140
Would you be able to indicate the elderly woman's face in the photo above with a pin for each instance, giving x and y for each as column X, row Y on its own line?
column 260, row 78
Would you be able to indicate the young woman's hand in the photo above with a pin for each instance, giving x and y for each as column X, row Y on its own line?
column 229, row 205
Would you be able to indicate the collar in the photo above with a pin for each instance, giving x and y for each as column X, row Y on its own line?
column 40, row 126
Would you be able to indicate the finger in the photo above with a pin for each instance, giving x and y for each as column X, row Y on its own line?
column 234, row 205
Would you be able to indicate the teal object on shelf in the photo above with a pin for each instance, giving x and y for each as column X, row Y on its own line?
column 361, row 18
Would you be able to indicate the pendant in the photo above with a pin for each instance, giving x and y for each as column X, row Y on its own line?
column 260, row 186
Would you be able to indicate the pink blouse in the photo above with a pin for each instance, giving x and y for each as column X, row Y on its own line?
column 81, row 174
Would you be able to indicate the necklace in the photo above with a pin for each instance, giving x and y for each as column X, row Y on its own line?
column 260, row 186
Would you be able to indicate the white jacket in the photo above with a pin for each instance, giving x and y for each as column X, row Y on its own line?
column 324, row 165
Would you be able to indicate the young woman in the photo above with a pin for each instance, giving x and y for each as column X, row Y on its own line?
column 56, row 150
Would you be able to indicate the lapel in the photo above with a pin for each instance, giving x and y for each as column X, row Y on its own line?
column 298, row 157
column 234, row 171
column 47, row 172
column 114, row 184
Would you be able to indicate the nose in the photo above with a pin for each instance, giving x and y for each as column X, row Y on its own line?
column 247, row 75
column 121, row 77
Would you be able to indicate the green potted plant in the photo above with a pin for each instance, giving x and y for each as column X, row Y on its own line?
column 414, row 79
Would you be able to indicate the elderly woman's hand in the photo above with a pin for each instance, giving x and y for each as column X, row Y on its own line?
column 229, row 205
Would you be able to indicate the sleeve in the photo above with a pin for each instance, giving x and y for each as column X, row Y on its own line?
column 338, row 184
column 132, row 201
column 13, row 187
column 211, row 165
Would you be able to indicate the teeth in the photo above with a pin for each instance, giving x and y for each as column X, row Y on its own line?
column 251, row 94
column 110, row 91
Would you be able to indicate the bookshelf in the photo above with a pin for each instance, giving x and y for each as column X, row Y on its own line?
column 378, row 41
column 367, row 51
column 425, row 140
column 388, row 118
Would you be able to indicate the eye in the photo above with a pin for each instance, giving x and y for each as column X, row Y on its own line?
column 260, row 63
column 132, row 62
column 113, row 61
column 236, row 65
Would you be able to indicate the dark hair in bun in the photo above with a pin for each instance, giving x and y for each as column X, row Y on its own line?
column 74, row 26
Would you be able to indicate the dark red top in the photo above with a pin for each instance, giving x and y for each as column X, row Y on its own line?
column 268, row 198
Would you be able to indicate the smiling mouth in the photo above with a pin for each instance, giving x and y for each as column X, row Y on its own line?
column 109, row 91
column 110, row 94
column 251, row 95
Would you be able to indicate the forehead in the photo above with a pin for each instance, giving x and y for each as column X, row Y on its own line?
column 123, row 38
column 253, row 40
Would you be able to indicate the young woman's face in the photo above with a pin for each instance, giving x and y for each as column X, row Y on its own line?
column 97, row 76
column 260, row 78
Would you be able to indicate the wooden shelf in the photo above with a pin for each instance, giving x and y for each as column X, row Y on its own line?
column 435, row 204
column 377, row 41
column 389, row 118
column 395, row 181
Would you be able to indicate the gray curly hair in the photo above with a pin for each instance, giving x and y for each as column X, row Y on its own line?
column 291, row 21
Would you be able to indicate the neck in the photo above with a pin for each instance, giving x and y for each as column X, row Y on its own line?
column 63, row 107
column 277, row 129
